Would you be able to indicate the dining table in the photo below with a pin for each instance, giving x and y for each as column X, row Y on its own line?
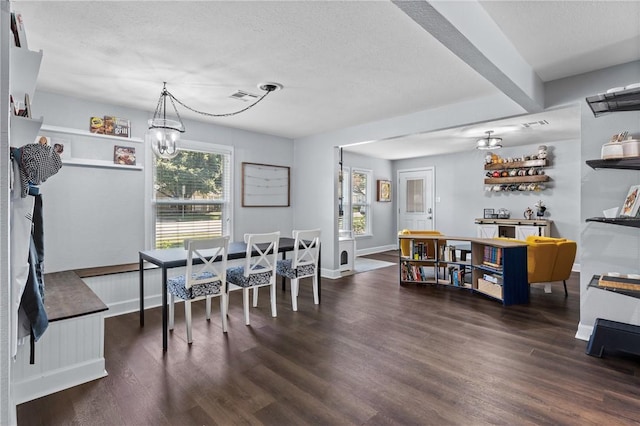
column 176, row 257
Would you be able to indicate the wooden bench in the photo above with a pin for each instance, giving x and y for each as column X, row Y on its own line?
column 71, row 350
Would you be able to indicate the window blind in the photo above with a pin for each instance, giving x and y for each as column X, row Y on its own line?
column 191, row 197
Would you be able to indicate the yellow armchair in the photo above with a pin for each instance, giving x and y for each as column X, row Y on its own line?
column 549, row 259
column 565, row 256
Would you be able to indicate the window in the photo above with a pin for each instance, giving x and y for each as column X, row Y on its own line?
column 361, row 202
column 191, row 196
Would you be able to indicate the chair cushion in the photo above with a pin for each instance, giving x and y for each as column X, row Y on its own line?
column 283, row 267
column 235, row 275
column 176, row 286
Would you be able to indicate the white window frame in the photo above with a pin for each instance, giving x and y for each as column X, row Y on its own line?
column 367, row 204
column 150, row 221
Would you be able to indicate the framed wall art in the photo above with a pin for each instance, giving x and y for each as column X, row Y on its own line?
column 265, row 185
column 384, row 190
column 631, row 202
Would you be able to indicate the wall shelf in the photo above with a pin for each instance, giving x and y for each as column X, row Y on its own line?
column 82, row 162
column 618, row 163
column 622, row 100
column 633, row 222
column 517, row 165
column 517, row 179
column 77, row 132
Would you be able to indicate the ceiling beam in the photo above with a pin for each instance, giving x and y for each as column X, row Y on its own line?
column 468, row 31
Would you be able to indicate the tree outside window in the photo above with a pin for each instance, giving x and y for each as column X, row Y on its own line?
column 360, row 201
column 191, row 193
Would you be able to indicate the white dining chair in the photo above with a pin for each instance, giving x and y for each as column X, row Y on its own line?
column 304, row 263
column 204, row 278
column 259, row 270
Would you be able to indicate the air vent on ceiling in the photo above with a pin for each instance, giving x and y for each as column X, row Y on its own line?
column 244, row 96
column 535, row 123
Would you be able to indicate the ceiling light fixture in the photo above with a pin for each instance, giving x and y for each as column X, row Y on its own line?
column 489, row 142
column 163, row 133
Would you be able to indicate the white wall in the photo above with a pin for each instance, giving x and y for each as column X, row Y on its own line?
column 96, row 217
column 316, row 191
column 459, row 184
column 604, row 248
column 383, row 232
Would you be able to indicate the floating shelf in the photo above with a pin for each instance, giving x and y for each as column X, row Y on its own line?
column 77, row 132
column 633, row 222
column 517, row 179
column 98, row 163
column 622, row 100
column 618, row 163
column 517, row 165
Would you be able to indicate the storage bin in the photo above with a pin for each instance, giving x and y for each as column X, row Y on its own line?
column 490, row 288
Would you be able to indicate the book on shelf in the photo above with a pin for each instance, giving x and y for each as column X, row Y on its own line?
column 27, row 106
column 115, row 126
column 17, row 28
column 621, row 281
column 96, row 125
column 125, row 155
column 492, row 256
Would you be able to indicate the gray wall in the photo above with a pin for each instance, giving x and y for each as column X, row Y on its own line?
column 459, row 184
column 604, row 248
column 96, row 217
column 383, row 232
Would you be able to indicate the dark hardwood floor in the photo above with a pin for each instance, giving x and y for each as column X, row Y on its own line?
column 372, row 352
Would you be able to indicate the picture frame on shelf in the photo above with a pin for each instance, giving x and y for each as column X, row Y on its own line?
column 384, row 190
column 631, row 202
column 489, row 213
column 124, row 155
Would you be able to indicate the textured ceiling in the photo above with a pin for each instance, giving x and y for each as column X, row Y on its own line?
column 342, row 63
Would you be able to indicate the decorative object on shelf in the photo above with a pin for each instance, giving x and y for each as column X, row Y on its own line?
column 503, row 213
column 163, row 133
column 115, row 126
column 631, row 202
column 540, row 208
column 384, row 190
column 96, row 125
column 125, row 155
column 489, row 214
column 528, row 213
column 489, row 142
column 611, row 213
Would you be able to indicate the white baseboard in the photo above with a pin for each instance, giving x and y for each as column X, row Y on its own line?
column 57, row 380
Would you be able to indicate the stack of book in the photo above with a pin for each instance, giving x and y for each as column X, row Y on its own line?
column 492, row 256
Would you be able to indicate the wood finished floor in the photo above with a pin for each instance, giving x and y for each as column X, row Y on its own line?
column 372, row 353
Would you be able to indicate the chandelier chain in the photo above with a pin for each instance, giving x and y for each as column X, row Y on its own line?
column 215, row 115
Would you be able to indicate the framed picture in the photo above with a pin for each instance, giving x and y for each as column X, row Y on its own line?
column 489, row 213
column 384, row 190
column 265, row 185
column 124, row 155
column 631, row 202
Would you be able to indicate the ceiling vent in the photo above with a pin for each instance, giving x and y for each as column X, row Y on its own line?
column 535, row 124
column 244, row 96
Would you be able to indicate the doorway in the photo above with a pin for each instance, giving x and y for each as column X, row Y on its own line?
column 416, row 199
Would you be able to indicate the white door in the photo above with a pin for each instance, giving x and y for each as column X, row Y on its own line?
column 415, row 199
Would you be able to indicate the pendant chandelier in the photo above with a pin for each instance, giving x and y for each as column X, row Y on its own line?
column 489, row 142
column 163, row 133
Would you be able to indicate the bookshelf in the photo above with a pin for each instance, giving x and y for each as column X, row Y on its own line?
column 494, row 268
